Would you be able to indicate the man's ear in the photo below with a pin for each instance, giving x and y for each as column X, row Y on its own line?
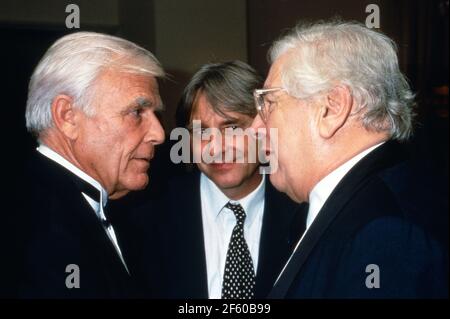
column 65, row 116
column 335, row 111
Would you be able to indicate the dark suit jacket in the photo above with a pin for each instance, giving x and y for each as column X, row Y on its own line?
column 380, row 213
column 174, row 259
column 57, row 227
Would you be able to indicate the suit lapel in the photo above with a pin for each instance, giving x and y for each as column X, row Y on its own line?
column 383, row 156
column 194, row 254
column 95, row 230
column 81, row 210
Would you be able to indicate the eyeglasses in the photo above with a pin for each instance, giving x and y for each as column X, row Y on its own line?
column 263, row 106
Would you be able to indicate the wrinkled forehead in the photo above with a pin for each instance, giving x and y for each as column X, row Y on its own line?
column 124, row 88
column 274, row 78
column 124, row 80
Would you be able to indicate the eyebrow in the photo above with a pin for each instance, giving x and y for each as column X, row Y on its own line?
column 143, row 102
column 146, row 102
column 227, row 121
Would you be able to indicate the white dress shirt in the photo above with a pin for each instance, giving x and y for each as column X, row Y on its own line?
column 218, row 224
column 96, row 206
column 323, row 190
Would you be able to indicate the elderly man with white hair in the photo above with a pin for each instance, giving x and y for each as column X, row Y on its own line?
column 91, row 105
column 341, row 105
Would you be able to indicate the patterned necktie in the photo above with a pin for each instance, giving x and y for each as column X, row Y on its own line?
column 239, row 274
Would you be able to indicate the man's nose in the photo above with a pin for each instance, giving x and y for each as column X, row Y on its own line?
column 257, row 123
column 155, row 133
column 258, row 127
column 216, row 143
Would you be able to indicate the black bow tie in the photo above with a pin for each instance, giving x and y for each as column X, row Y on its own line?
column 95, row 194
column 88, row 189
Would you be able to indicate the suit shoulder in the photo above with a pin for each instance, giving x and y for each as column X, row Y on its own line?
column 187, row 180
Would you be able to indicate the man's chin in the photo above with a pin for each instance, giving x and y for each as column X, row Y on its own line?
column 225, row 182
column 142, row 185
column 138, row 182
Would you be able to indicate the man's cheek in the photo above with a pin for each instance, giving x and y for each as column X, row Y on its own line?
column 197, row 150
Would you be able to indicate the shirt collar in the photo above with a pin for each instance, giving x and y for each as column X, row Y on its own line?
column 217, row 200
column 51, row 154
column 325, row 187
column 252, row 201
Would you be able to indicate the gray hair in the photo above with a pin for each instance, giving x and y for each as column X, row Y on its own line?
column 227, row 86
column 329, row 53
column 72, row 64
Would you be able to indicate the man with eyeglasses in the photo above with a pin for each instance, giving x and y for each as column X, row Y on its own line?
column 224, row 231
column 341, row 105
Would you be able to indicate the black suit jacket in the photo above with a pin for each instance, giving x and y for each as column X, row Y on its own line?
column 58, row 227
column 381, row 213
column 174, row 261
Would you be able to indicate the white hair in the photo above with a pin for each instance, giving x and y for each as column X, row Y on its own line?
column 327, row 54
column 72, row 64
